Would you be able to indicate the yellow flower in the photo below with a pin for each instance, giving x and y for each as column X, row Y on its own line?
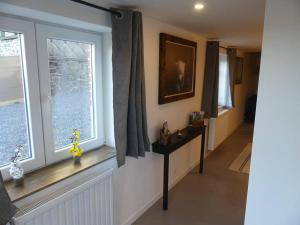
column 75, row 150
column 71, row 149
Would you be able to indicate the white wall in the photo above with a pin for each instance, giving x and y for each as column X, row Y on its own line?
column 138, row 184
column 274, row 189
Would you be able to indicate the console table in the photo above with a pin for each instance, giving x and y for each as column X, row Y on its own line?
column 176, row 142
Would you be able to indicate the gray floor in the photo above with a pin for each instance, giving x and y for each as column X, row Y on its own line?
column 216, row 198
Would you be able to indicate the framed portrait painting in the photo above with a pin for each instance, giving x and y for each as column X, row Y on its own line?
column 177, row 68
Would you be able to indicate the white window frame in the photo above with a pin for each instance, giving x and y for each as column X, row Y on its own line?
column 32, row 97
column 43, row 32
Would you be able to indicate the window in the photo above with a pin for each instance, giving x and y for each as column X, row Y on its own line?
column 20, row 111
column 71, row 81
column 224, row 98
column 12, row 98
column 70, row 77
column 50, row 83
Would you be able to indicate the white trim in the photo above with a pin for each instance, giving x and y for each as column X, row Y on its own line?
column 30, row 69
column 108, row 112
column 43, row 32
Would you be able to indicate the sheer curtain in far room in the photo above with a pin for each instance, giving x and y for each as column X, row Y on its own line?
column 224, row 98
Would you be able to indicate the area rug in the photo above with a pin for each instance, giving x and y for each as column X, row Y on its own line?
column 242, row 163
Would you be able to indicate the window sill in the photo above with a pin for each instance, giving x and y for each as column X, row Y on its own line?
column 50, row 175
column 222, row 111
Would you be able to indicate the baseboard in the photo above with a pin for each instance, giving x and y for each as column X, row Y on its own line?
column 148, row 205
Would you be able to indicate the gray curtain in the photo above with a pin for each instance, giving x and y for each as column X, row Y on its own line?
column 7, row 209
column 211, row 80
column 130, row 122
column 232, row 54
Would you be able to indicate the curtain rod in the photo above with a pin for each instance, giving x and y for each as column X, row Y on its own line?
column 118, row 14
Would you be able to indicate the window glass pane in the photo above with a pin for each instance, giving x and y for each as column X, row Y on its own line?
column 71, row 73
column 224, row 86
column 13, row 117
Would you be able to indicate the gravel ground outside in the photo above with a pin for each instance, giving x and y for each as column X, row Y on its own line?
column 70, row 110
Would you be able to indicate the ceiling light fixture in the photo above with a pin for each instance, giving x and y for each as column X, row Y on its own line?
column 199, row 6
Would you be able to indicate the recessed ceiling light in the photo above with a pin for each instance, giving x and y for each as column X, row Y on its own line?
column 199, row 6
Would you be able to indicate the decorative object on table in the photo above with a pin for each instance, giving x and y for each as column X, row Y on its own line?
column 164, row 134
column 239, row 70
column 75, row 150
column 196, row 119
column 16, row 171
column 177, row 68
column 179, row 134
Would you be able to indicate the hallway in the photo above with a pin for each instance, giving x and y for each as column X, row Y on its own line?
column 216, row 198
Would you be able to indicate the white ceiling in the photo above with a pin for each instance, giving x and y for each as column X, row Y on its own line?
column 234, row 22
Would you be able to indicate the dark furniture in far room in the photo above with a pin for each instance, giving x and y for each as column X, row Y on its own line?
column 188, row 134
column 250, row 109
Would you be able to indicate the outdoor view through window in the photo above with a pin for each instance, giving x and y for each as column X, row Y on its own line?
column 71, row 73
column 13, row 115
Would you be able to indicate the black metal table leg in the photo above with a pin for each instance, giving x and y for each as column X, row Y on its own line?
column 202, row 152
column 166, row 182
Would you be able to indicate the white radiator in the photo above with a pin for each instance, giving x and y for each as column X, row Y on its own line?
column 89, row 203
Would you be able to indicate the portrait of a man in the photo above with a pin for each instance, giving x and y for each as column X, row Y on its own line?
column 177, row 68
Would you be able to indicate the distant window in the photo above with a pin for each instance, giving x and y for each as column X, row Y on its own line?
column 224, row 98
